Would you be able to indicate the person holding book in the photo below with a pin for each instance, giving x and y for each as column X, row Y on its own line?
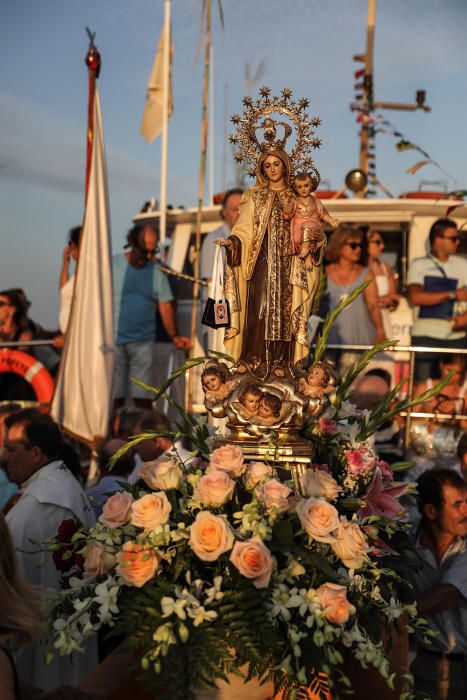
column 437, row 287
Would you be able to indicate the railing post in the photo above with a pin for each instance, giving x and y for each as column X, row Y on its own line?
column 410, row 395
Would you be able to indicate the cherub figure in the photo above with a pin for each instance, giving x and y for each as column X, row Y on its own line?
column 318, row 382
column 249, row 401
column 307, row 238
column 215, row 384
column 269, row 409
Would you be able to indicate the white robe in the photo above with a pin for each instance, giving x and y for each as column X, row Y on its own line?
column 50, row 496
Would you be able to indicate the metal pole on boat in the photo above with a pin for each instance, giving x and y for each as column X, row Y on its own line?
column 165, row 124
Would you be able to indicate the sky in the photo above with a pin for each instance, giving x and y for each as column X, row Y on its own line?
column 306, row 45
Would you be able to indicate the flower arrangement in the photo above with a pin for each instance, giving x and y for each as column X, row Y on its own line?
column 210, row 567
column 222, row 564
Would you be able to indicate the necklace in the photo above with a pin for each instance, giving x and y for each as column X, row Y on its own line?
column 345, row 287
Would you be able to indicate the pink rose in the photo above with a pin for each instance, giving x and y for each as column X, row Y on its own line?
column 228, row 458
column 210, row 536
column 333, row 599
column 97, row 560
column 116, row 510
column 350, row 545
column 320, row 484
column 327, row 426
column 214, row 488
column 361, row 461
column 256, row 472
column 319, row 519
column 162, row 474
column 274, row 495
column 253, row 560
column 151, row 510
column 137, row 564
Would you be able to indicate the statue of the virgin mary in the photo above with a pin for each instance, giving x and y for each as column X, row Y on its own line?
column 269, row 290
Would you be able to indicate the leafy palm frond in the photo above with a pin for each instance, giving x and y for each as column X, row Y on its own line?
column 331, row 318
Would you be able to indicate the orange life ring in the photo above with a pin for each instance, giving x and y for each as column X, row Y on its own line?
column 31, row 370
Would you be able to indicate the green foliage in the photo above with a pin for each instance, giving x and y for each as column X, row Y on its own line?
column 331, row 318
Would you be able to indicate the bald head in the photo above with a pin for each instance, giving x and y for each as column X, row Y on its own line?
column 369, row 392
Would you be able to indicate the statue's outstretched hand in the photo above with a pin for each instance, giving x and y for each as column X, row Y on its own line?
column 224, row 242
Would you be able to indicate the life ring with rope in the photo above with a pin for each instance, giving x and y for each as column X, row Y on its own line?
column 33, row 371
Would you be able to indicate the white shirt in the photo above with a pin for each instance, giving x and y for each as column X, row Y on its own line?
column 50, row 496
column 66, row 296
column 455, row 267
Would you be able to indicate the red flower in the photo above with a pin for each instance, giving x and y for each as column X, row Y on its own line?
column 66, row 530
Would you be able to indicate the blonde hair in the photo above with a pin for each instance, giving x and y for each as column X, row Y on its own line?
column 20, row 607
column 340, row 236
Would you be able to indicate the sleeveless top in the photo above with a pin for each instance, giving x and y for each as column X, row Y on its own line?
column 353, row 325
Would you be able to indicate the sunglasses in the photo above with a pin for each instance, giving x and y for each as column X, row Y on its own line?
column 352, row 244
column 452, row 238
column 377, row 241
column 4, row 303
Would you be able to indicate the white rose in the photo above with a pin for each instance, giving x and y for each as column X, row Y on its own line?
column 320, row 484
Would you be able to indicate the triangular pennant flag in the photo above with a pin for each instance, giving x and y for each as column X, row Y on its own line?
column 358, row 73
column 417, row 166
column 404, row 145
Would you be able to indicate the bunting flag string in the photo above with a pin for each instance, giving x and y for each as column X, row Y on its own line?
column 415, row 168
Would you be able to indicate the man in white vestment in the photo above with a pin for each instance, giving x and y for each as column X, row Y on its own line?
column 50, row 494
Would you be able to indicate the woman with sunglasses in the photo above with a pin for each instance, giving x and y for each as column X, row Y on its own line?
column 361, row 322
column 384, row 277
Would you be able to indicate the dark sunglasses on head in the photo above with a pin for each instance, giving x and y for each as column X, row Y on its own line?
column 353, row 244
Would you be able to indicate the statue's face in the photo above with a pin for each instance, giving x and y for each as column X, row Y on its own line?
column 317, row 377
column 251, row 402
column 212, row 382
column 273, row 169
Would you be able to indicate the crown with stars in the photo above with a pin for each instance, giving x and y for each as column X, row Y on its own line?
column 275, row 133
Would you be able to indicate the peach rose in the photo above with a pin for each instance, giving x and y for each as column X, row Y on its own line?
column 320, row 484
column 253, row 560
column 214, row 488
column 97, row 560
column 116, row 510
column 162, row 474
column 333, row 599
column 137, row 563
column 319, row 519
column 210, row 536
column 256, row 472
column 151, row 510
column 350, row 545
column 228, row 458
column 273, row 494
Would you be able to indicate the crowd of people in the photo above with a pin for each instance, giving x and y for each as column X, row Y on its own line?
column 43, row 478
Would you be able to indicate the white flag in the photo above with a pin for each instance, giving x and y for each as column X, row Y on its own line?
column 151, row 123
column 83, row 393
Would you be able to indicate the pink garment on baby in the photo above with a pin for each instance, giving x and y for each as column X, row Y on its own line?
column 306, row 216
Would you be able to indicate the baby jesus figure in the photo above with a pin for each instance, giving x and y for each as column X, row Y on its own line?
column 307, row 238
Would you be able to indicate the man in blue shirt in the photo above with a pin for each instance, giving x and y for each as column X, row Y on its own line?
column 139, row 285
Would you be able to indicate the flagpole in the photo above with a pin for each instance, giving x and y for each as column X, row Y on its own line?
column 202, row 177
column 165, row 123
column 93, row 62
column 211, row 130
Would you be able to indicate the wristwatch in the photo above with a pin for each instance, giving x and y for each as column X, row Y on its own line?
column 452, row 295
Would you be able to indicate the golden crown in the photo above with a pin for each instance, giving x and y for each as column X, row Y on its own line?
column 249, row 147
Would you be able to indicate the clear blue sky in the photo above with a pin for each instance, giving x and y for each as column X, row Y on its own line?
column 306, row 45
